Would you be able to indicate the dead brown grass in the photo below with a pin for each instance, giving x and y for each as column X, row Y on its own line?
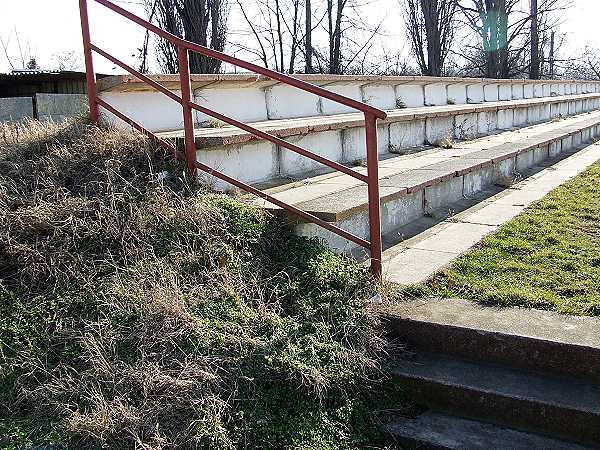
column 148, row 314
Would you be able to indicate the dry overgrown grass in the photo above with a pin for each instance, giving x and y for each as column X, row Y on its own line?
column 142, row 312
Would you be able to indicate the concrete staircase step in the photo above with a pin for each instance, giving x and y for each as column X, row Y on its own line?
column 438, row 431
column 561, row 406
column 525, row 338
column 252, row 98
column 414, row 185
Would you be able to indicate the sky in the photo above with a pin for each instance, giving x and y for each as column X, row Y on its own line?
column 50, row 30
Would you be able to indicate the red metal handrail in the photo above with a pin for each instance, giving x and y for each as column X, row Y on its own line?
column 188, row 105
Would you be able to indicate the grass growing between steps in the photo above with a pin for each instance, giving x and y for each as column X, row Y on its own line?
column 137, row 311
column 546, row 258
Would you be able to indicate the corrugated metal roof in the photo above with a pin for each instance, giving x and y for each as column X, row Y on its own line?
column 43, row 75
column 34, row 72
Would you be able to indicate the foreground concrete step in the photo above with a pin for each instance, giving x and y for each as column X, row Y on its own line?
column 413, row 186
column 341, row 137
column 526, row 338
column 560, row 406
column 438, row 431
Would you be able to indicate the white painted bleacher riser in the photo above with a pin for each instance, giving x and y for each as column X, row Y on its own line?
column 261, row 161
column 252, row 102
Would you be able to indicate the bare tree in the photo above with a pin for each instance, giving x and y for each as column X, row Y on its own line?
column 201, row 21
column 499, row 25
column 334, row 39
column 430, row 26
column 66, row 61
column 276, row 26
column 591, row 65
column 551, row 58
column 512, row 35
column 585, row 67
column 350, row 37
column 25, row 57
column 543, row 22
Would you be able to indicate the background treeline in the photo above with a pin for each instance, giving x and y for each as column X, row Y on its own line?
column 483, row 38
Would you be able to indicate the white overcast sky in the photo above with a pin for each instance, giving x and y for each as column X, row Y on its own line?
column 51, row 27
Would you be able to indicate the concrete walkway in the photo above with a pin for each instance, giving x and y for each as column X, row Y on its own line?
column 416, row 259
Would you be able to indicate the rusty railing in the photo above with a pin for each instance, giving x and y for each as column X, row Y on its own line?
column 188, row 105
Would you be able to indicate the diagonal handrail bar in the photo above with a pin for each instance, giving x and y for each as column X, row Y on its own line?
column 281, row 142
column 188, row 105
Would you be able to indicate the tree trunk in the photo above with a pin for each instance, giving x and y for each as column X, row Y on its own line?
column 308, row 38
column 337, row 50
column 431, row 17
column 279, row 35
column 551, row 58
column 534, row 68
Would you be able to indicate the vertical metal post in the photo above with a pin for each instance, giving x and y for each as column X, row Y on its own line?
column 188, row 118
column 90, row 75
column 374, row 201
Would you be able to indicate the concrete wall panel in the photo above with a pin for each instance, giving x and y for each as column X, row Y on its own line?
column 15, row 109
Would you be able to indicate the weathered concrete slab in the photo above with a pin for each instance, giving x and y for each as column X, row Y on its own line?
column 492, row 214
column 459, row 166
column 454, row 238
column 444, row 193
column 15, row 109
column 412, row 265
column 520, row 197
column 528, row 323
column 437, row 430
column 346, row 202
column 520, row 337
column 58, row 107
column 557, row 405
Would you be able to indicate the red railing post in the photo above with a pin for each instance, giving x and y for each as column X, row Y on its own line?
column 188, row 118
column 373, row 188
column 90, row 75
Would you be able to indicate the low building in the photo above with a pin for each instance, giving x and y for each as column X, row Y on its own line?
column 41, row 94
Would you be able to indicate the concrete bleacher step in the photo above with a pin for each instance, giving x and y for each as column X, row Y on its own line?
column 419, row 249
column 254, row 98
column 341, row 137
column 529, row 339
column 435, row 430
column 411, row 186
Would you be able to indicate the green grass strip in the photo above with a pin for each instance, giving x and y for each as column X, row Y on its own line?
column 546, row 258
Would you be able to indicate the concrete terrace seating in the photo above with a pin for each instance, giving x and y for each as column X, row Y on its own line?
column 413, row 185
column 500, row 129
column 341, row 137
column 253, row 98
